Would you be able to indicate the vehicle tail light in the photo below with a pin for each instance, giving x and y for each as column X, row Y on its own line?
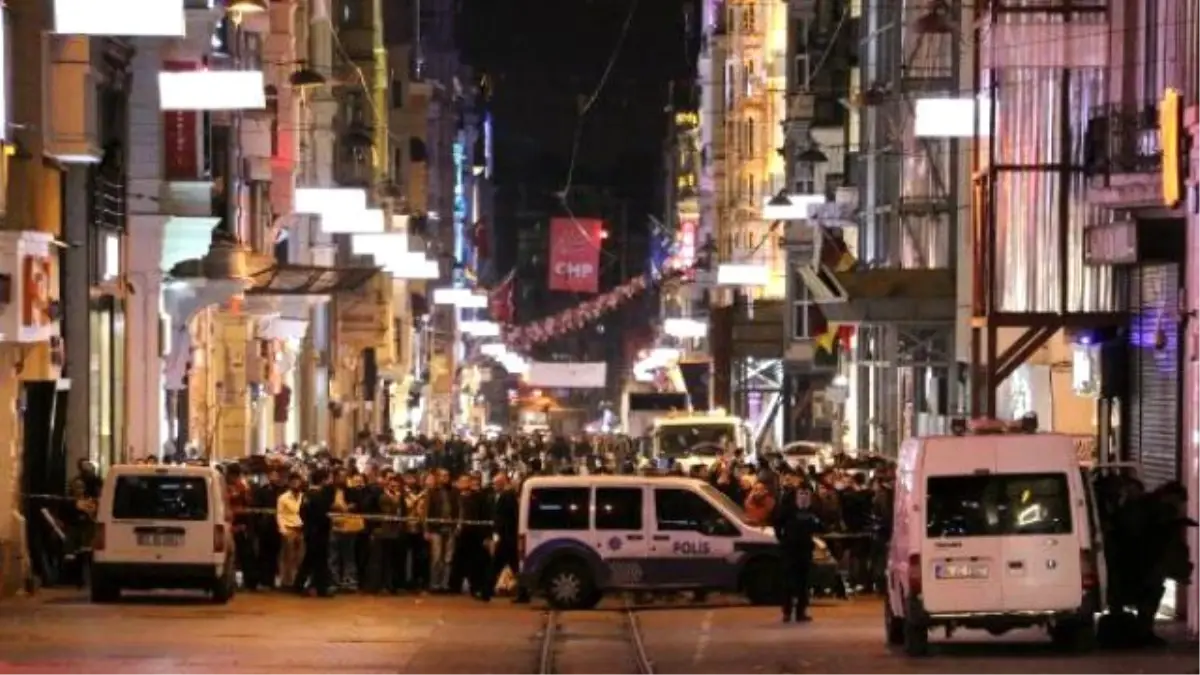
column 1087, row 570
column 98, row 539
column 914, row 574
column 218, row 538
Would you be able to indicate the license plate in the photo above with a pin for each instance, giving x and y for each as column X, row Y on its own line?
column 160, row 540
column 960, row 571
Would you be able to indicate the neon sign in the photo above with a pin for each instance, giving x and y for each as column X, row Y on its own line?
column 460, row 202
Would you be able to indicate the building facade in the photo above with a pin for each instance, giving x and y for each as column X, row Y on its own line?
column 163, row 290
column 1140, row 134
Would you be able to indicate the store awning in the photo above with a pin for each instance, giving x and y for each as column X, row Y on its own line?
column 309, row 280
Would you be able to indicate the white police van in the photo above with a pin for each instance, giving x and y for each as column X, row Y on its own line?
column 582, row 536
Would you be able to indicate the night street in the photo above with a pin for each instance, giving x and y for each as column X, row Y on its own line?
column 61, row 633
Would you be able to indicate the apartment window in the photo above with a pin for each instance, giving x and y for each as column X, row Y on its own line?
column 748, row 20
column 805, row 181
column 730, row 84
column 398, row 162
column 751, row 188
column 354, row 14
column 1151, row 60
column 801, row 73
column 750, row 136
column 354, row 109
column 800, row 26
column 397, row 93
column 806, row 323
column 748, row 81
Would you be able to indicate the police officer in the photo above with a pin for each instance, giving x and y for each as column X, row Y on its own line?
column 795, row 526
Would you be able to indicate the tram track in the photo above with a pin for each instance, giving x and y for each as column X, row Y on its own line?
column 575, row 639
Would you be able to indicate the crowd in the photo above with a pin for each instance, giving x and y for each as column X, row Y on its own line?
column 441, row 516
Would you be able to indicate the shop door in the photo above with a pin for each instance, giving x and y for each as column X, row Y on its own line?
column 1154, row 410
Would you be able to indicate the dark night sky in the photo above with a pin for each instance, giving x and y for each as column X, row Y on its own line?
column 543, row 56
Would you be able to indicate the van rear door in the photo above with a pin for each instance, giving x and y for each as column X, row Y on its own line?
column 160, row 518
column 961, row 552
column 1037, row 509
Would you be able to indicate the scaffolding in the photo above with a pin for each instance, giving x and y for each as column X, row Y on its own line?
column 1040, row 70
column 900, row 295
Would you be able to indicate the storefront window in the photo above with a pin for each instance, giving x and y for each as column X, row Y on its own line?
column 118, row 382
column 94, row 393
column 104, row 339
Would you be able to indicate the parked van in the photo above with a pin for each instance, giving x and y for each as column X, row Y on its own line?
column 581, row 536
column 991, row 531
column 163, row 527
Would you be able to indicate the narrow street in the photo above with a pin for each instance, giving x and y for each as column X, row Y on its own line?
column 61, row 632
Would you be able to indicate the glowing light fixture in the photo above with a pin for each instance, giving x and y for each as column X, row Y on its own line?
column 212, row 90
column 126, row 18
column 380, row 245
column 450, row 296
column 729, row 274
column 248, row 6
column 790, row 207
column 494, row 349
column 685, row 328
column 480, row 328
column 370, row 221
column 320, row 201
column 414, row 269
column 952, row 117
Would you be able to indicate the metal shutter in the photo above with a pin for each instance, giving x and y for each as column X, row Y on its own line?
column 1153, row 423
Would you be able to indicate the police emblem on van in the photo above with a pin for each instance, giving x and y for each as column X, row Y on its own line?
column 615, row 543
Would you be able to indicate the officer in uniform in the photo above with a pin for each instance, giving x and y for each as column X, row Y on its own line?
column 795, row 526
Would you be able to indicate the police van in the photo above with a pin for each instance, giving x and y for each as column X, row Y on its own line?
column 582, row 536
column 992, row 530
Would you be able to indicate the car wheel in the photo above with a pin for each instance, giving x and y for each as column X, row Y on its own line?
column 916, row 638
column 762, row 583
column 223, row 590
column 893, row 626
column 104, row 592
column 569, row 585
column 1078, row 635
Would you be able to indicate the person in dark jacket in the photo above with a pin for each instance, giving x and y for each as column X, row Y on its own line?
column 317, row 530
column 442, row 511
column 270, row 541
column 506, row 507
column 795, row 526
column 473, row 537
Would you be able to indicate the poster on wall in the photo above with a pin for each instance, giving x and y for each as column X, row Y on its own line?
column 181, row 143
column 575, row 254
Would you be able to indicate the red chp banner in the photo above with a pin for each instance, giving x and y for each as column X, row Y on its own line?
column 181, row 139
column 575, row 254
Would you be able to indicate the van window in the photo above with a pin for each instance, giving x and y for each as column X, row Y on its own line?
column 998, row 504
column 618, row 508
column 558, row 509
column 686, row 511
column 160, row 498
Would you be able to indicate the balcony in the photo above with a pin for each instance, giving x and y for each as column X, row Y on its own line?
column 1123, row 156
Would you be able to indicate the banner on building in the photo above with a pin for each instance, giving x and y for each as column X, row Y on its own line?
column 500, row 299
column 575, row 254
column 581, row 375
column 181, row 136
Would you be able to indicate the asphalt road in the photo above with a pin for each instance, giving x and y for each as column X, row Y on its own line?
column 63, row 633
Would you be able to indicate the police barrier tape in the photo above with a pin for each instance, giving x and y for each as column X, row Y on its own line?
column 384, row 518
